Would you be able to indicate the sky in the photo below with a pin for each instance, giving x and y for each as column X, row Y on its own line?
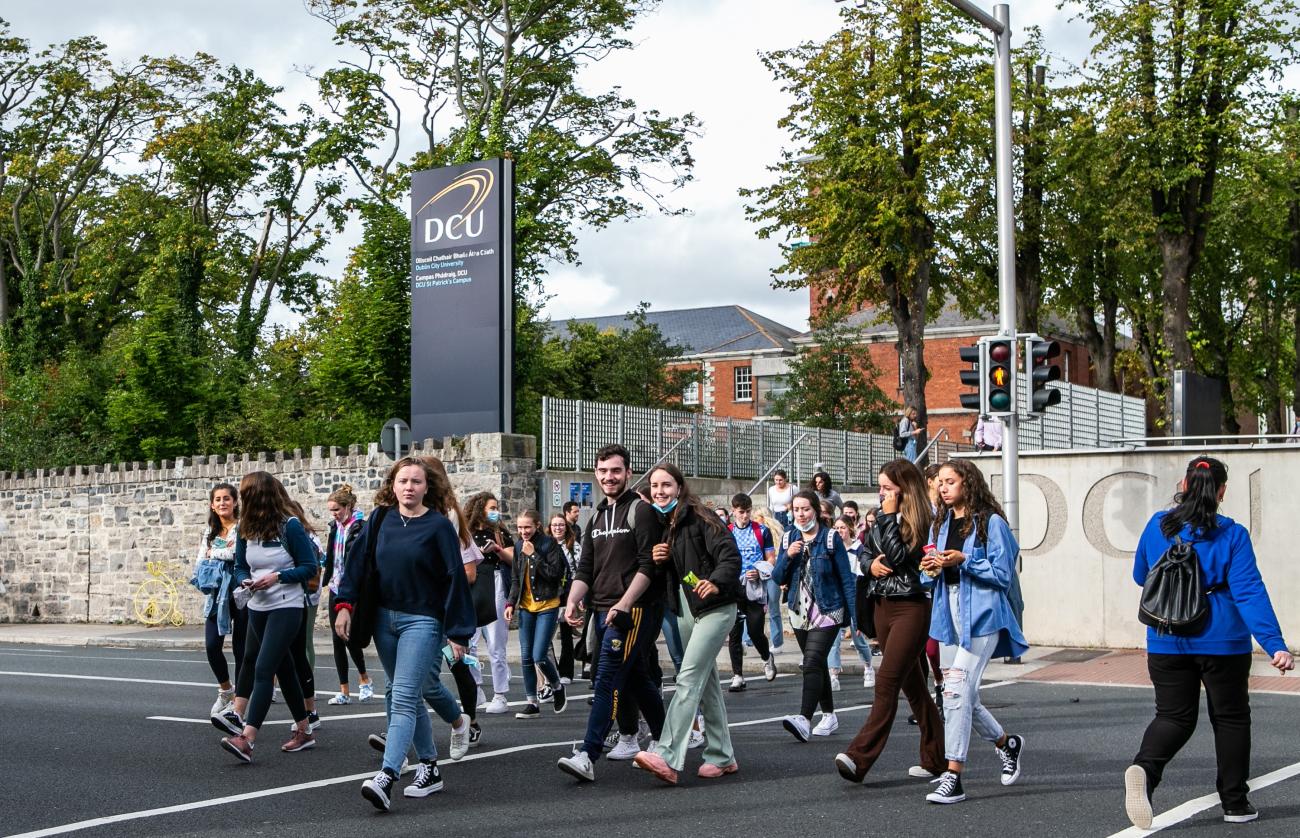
column 700, row 56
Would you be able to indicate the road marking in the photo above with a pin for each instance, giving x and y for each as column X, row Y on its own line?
column 1142, row 686
column 207, row 684
column 1191, row 808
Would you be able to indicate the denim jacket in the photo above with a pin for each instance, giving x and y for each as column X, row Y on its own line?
column 985, row 580
column 219, row 601
column 834, row 586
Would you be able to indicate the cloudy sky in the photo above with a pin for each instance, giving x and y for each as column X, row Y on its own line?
column 690, row 55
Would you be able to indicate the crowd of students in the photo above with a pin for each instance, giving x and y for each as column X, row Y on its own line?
column 928, row 576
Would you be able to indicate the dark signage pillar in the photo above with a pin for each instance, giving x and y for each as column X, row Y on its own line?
column 462, row 299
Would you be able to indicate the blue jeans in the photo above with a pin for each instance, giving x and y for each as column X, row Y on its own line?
column 409, row 645
column 622, row 667
column 859, row 643
column 775, row 631
column 535, row 633
column 962, row 671
column 673, row 639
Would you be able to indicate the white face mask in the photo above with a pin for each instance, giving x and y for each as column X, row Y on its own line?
column 807, row 527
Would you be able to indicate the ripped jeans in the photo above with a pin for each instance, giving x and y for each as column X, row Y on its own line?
column 962, row 671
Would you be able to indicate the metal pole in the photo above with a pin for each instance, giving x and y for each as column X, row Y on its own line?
column 1006, row 250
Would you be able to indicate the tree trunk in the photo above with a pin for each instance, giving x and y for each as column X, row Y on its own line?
column 1029, row 250
column 1175, row 295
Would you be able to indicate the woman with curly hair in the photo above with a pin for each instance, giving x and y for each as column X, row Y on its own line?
column 971, row 617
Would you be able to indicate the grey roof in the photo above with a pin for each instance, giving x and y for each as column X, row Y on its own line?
column 876, row 321
column 703, row 331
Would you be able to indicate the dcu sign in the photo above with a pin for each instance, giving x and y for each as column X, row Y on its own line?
column 470, row 191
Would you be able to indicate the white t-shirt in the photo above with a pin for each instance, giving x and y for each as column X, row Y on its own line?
column 779, row 500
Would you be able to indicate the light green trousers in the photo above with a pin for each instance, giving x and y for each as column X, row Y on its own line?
column 698, row 686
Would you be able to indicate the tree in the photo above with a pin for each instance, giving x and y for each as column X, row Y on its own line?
column 831, row 383
column 889, row 116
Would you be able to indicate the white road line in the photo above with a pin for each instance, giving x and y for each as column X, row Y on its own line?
column 205, row 684
column 1191, row 808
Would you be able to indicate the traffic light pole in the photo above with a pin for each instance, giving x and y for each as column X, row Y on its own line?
column 1000, row 25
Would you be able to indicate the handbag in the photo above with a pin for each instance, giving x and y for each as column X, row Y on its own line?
column 207, row 575
column 484, row 592
column 366, row 607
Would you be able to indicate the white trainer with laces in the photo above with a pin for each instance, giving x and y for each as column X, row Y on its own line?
column 829, row 724
column 224, row 698
column 798, row 727
column 769, row 668
column 868, row 677
column 497, row 705
column 835, row 681
column 579, row 765
column 459, row 739
column 737, row 683
column 626, row 748
column 367, row 692
column 341, row 698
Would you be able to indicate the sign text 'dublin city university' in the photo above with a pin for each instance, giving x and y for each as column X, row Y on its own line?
column 462, row 299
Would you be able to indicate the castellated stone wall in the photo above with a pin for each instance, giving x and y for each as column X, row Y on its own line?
column 74, row 541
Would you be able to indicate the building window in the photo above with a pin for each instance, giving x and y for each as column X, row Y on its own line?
column 691, row 395
column 843, row 366
column 744, row 378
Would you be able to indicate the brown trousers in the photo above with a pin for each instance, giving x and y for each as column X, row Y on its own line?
column 902, row 627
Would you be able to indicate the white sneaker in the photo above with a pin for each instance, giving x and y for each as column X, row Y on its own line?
column 643, row 731
column 579, row 765
column 224, row 698
column 459, row 741
column 481, row 700
column 497, row 705
column 835, row 682
column 769, row 668
column 798, row 727
column 341, row 698
column 367, row 692
column 696, row 740
column 868, row 677
column 828, row 725
column 626, row 748
column 565, row 681
column 921, row 774
column 737, row 684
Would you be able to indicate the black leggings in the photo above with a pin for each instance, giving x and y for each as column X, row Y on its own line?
column 750, row 614
column 816, row 647
column 302, row 660
column 215, row 644
column 466, row 688
column 268, row 654
column 567, row 636
column 341, row 652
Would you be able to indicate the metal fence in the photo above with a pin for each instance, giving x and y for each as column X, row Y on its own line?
column 1085, row 418
column 708, row 446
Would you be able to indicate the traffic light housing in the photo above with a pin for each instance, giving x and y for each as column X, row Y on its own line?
column 1039, row 353
column 1000, row 376
column 974, row 377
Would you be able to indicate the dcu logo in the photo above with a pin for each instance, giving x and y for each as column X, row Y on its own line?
column 473, row 187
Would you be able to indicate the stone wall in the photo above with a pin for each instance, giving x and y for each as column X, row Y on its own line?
column 74, row 541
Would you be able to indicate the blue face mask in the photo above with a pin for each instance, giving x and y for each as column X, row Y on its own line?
column 808, row 527
column 493, row 515
column 664, row 510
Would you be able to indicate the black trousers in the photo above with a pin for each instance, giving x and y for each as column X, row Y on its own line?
column 752, row 615
column 268, row 654
column 816, row 647
column 466, row 688
column 567, row 636
column 1178, row 680
column 341, row 652
column 215, row 644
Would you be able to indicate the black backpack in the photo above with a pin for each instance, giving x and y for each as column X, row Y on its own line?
column 1174, row 597
column 900, row 443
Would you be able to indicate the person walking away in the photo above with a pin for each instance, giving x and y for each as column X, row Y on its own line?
column 617, row 567
column 814, row 566
column 346, row 523
column 535, row 593
column 1216, row 655
column 971, row 617
column 406, row 579
column 844, row 526
column 703, row 573
column 221, row 619
column 484, row 514
column 899, row 607
column 756, row 548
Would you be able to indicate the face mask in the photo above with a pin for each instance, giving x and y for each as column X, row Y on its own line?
column 666, row 509
column 494, row 516
column 807, row 527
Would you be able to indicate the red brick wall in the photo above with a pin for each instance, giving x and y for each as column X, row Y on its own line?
column 725, row 405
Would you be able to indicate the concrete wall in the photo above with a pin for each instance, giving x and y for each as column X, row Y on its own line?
column 1081, row 514
column 74, row 542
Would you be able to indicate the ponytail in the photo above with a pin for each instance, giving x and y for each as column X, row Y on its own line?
column 1197, row 504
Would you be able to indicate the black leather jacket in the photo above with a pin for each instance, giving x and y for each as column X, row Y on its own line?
column 546, row 570
column 886, row 539
column 710, row 553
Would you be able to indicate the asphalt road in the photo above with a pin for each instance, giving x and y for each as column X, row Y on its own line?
column 120, row 732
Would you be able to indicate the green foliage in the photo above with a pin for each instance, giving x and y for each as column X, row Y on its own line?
column 832, row 384
column 54, row 414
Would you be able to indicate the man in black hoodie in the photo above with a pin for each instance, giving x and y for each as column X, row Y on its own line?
column 617, row 567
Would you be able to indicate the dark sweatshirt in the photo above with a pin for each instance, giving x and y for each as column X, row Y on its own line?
column 613, row 552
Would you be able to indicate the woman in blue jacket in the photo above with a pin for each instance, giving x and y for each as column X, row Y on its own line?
column 812, row 561
column 971, row 618
column 1218, row 657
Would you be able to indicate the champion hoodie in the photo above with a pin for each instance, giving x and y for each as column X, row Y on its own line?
column 614, row 551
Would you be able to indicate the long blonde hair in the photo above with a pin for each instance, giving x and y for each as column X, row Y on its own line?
column 764, row 516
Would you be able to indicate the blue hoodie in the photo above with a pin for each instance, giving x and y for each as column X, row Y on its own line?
column 1236, row 612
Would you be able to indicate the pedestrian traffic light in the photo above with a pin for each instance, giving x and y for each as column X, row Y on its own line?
column 1038, row 355
column 1000, row 378
column 973, row 377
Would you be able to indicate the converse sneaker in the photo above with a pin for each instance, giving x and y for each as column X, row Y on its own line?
column 737, row 684
column 367, row 692
column 228, row 721
column 769, row 668
column 868, row 677
column 428, row 779
column 497, row 705
column 1240, row 814
column 1010, row 756
column 313, row 722
column 299, row 741
column 530, row 711
column 341, row 698
column 626, row 748
column 559, row 700
column 611, row 739
column 224, row 697
column 921, row 773
column 835, row 681
column 460, row 738
column 239, row 746
column 696, row 740
column 1137, row 797
column 798, row 727
column 848, row 768
column 378, row 789
column 378, row 741
column 829, row 724
column 475, row 734
column 948, row 790
column 545, row 692
column 579, row 765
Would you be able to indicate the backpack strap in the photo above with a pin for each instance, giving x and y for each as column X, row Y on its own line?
column 758, row 533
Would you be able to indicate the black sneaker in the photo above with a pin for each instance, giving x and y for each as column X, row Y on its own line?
column 530, row 711
column 475, row 734
column 545, row 693
column 228, row 722
column 559, row 700
column 428, row 779
column 1010, row 756
column 378, row 789
column 948, row 790
column 313, row 722
column 1240, row 814
column 378, row 741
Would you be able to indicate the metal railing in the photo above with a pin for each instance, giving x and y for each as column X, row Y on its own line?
column 1085, row 418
